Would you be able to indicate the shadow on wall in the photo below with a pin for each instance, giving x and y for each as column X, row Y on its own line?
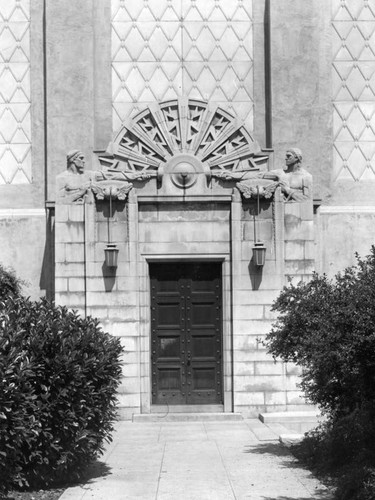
column 256, row 274
column 103, row 209
column 109, row 277
column 109, row 217
column 47, row 275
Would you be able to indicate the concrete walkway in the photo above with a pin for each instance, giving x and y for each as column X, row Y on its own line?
column 197, row 461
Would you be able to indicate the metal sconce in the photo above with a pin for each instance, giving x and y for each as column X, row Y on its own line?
column 111, row 254
column 259, row 253
column 259, row 248
column 111, row 251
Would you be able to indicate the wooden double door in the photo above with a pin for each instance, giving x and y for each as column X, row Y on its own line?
column 186, row 333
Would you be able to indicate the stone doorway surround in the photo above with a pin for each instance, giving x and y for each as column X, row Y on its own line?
column 227, row 341
column 184, row 181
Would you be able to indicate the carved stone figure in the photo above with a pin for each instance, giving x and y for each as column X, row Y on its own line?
column 295, row 181
column 76, row 182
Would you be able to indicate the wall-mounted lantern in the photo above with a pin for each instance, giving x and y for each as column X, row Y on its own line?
column 259, row 253
column 259, row 248
column 111, row 251
column 111, row 255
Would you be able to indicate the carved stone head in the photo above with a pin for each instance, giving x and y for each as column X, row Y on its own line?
column 75, row 162
column 293, row 156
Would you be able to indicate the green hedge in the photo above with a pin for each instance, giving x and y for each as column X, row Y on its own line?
column 328, row 328
column 10, row 285
column 58, row 379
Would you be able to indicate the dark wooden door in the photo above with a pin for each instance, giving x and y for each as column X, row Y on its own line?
column 186, row 333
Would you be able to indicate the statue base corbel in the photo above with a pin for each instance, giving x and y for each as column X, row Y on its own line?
column 264, row 188
column 117, row 190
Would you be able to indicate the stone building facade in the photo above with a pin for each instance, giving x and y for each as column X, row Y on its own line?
column 183, row 110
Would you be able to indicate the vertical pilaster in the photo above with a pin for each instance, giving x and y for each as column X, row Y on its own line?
column 301, row 82
column 69, row 81
column 70, row 283
column 299, row 247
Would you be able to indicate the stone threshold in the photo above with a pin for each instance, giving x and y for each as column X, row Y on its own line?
column 289, row 416
column 187, row 417
column 187, row 409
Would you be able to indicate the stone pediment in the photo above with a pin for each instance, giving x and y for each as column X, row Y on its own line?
column 185, row 143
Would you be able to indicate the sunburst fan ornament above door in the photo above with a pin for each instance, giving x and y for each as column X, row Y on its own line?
column 184, row 131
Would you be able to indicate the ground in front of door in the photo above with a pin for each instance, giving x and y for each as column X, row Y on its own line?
column 197, row 461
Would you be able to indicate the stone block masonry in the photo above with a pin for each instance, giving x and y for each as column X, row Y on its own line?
column 259, row 382
column 187, row 299
column 120, row 297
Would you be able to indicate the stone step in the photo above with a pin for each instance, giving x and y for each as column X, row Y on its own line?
column 289, row 439
column 295, row 421
column 289, row 416
column 162, row 409
column 186, row 417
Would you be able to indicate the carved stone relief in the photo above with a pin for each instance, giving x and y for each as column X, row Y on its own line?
column 184, row 144
column 164, row 49
column 183, row 139
column 76, row 184
column 15, row 98
column 295, row 182
column 353, row 28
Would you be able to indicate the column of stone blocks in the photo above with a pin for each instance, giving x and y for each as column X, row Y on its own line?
column 70, row 256
column 243, row 367
column 299, row 254
column 112, row 294
column 299, row 240
column 261, row 384
column 134, row 286
column 227, row 336
column 84, row 283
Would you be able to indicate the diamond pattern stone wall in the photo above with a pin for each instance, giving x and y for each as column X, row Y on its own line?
column 15, row 119
column 354, row 89
column 165, row 49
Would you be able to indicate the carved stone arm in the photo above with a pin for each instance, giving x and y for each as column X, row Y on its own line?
column 228, row 176
column 121, row 175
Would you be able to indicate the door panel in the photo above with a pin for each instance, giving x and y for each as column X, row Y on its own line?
column 186, row 333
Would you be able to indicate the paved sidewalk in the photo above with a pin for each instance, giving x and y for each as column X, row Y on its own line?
column 197, row 461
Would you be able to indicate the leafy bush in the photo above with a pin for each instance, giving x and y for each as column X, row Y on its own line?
column 9, row 283
column 58, row 379
column 357, row 483
column 328, row 328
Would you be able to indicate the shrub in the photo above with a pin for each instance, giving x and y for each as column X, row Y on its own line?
column 9, row 283
column 58, row 379
column 328, row 328
column 357, row 483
